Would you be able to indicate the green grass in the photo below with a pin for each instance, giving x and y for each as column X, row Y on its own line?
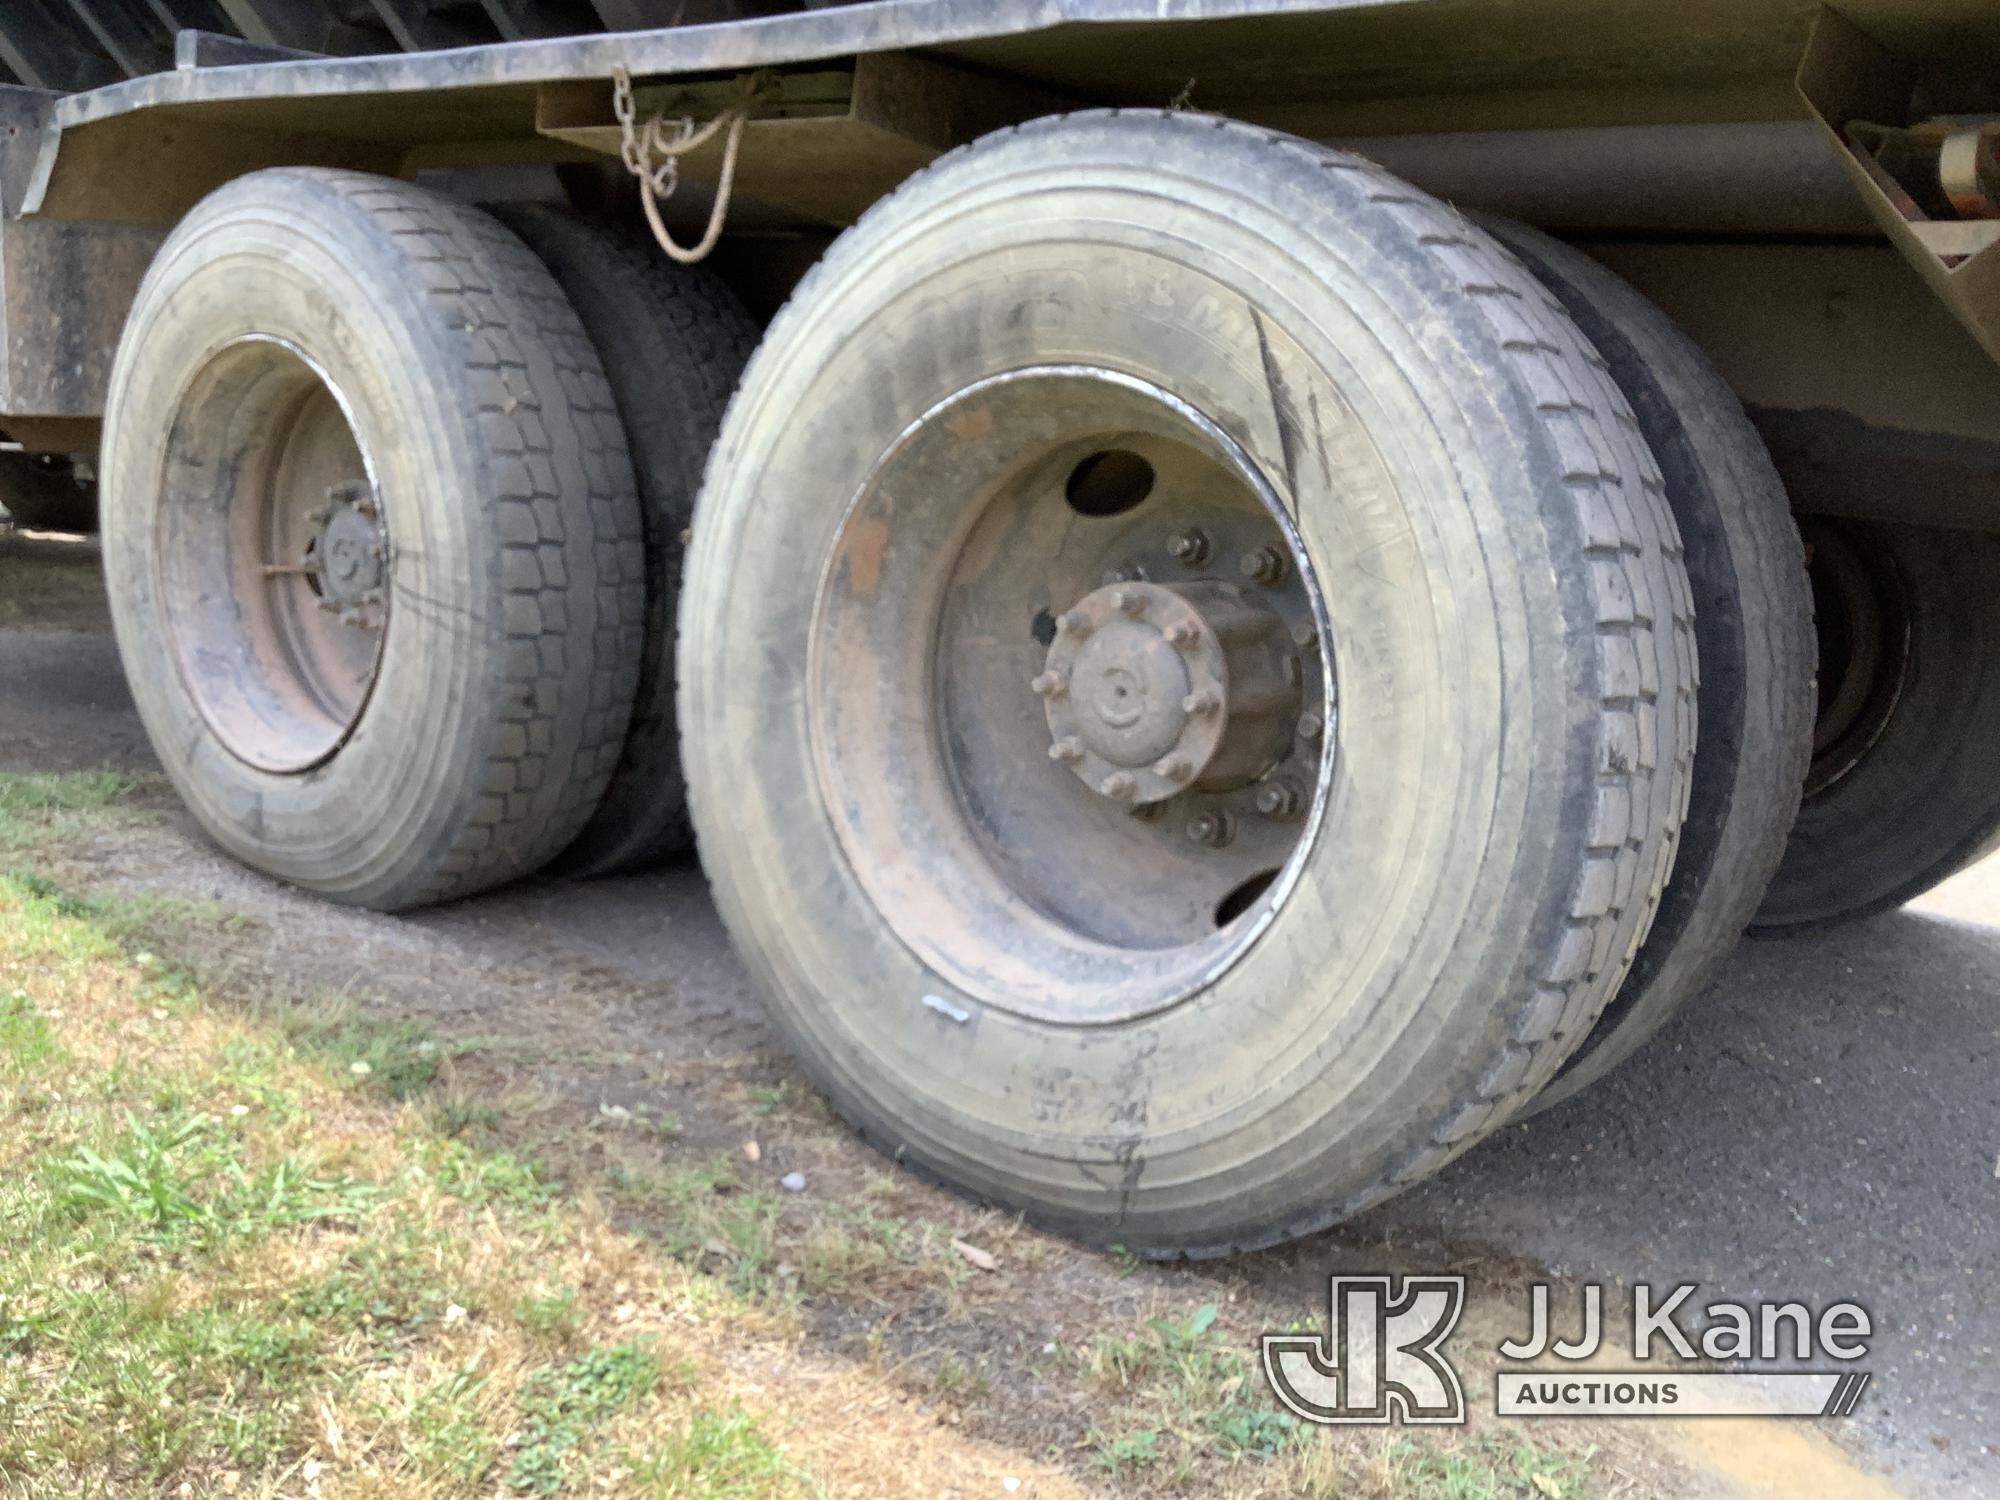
column 1196, row 1392
column 182, row 1175
column 229, row 1231
column 723, row 1455
column 39, row 810
column 564, row 1404
column 1489, row 1467
column 226, row 1253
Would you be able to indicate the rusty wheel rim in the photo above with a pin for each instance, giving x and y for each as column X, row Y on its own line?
column 1071, row 695
column 274, row 556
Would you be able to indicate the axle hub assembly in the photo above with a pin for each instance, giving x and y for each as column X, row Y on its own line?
column 1155, row 689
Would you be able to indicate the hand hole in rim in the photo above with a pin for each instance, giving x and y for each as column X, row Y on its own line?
column 1240, row 900
column 1109, row 483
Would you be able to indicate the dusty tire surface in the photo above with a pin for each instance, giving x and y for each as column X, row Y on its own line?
column 512, row 575
column 674, row 341
column 1909, row 794
column 43, row 494
column 1507, row 618
column 1753, row 629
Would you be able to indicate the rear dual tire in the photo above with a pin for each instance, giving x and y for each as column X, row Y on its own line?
column 1754, row 630
column 1903, row 791
column 1500, row 627
column 371, row 539
column 674, row 340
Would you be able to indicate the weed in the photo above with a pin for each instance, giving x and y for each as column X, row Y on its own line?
column 1198, row 1389
column 1488, row 1467
column 562, row 1405
column 447, row 1430
column 396, row 1057
column 26, row 1038
column 485, row 1177
column 1134, row 1450
column 723, row 1455
column 554, row 1318
column 176, row 1177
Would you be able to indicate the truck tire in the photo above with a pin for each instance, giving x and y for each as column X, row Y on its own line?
column 371, row 539
column 1904, row 786
column 1187, row 681
column 1753, row 629
column 674, row 340
column 41, row 492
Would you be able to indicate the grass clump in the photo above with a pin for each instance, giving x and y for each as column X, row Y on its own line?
column 564, row 1404
column 41, row 810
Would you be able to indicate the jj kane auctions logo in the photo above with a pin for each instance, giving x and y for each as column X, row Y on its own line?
column 1383, row 1360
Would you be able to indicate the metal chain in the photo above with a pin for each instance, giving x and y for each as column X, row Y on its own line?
column 652, row 153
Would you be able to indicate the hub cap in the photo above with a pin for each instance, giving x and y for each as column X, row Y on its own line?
column 1155, row 689
column 347, row 554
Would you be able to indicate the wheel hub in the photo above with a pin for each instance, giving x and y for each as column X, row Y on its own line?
column 1153, row 689
column 350, row 548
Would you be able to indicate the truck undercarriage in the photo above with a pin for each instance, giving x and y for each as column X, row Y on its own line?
column 1281, row 582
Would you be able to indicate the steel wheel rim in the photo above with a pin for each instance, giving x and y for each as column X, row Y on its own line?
column 274, row 556
column 1049, row 836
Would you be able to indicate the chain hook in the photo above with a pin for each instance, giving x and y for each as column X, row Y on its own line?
column 653, row 153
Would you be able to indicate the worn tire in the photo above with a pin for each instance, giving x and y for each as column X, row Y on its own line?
column 674, row 340
column 1753, row 629
column 1913, row 795
column 514, row 583
column 41, row 493
column 1509, row 618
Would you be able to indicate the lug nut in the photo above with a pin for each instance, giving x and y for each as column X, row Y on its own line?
column 1311, row 727
column 1211, row 829
column 1203, row 701
column 1075, row 621
column 1264, row 565
column 1278, row 799
column 1131, row 601
column 1182, row 634
column 1120, row 786
column 1050, row 684
column 1068, row 750
column 1189, row 547
column 1175, row 768
column 1127, row 572
column 1305, row 638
